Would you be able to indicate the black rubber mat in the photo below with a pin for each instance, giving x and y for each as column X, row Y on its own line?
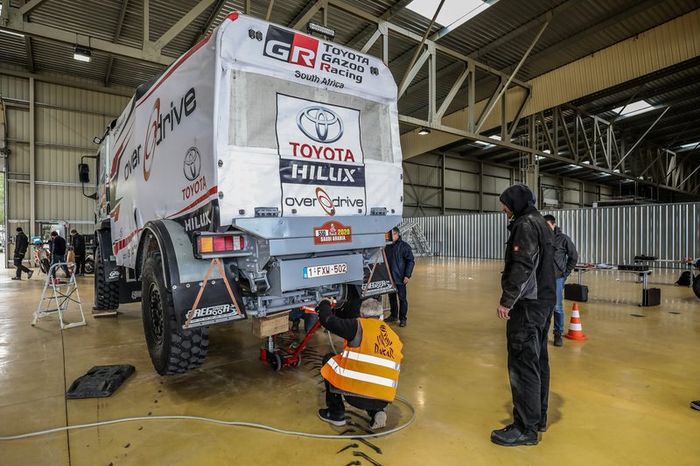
column 99, row 382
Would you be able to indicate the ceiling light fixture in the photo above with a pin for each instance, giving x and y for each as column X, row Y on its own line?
column 83, row 54
column 423, row 131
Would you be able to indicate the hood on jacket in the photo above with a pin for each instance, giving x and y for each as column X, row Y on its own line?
column 518, row 198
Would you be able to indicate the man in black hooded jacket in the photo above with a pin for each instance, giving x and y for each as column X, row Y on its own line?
column 528, row 298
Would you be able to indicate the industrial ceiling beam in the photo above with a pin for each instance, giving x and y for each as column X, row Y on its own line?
column 369, row 30
column 182, row 24
column 17, row 23
column 30, row 54
column 307, row 13
column 210, row 20
column 115, row 38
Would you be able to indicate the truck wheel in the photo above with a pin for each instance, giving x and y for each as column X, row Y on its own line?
column 106, row 293
column 172, row 349
column 89, row 266
column 696, row 286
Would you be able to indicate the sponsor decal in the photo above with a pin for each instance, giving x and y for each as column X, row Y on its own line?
column 199, row 219
column 384, row 345
column 321, row 160
column 290, row 47
column 325, row 201
column 320, row 124
column 114, row 274
column 376, row 286
column 192, row 165
column 328, row 174
column 210, row 315
column 192, row 168
column 332, row 232
column 161, row 125
column 326, row 58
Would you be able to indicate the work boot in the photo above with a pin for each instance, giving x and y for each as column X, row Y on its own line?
column 16, row 278
column 402, row 323
column 30, row 273
column 695, row 405
column 511, row 436
column 390, row 319
column 558, row 341
column 378, row 420
column 325, row 415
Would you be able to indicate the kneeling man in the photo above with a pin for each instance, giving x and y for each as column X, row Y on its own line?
column 366, row 373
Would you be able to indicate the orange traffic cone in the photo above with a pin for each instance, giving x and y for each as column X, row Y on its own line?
column 575, row 328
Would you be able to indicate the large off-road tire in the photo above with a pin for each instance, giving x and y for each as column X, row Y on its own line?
column 106, row 293
column 172, row 349
column 696, row 286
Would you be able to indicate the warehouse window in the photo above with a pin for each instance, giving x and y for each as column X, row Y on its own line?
column 634, row 109
column 453, row 14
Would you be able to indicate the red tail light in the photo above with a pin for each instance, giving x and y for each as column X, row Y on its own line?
column 220, row 244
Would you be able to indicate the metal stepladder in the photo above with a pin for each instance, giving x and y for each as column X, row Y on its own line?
column 61, row 295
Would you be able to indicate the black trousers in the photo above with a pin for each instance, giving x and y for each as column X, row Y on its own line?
column 398, row 302
column 528, row 363
column 80, row 264
column 17, row 260
column 334, row 401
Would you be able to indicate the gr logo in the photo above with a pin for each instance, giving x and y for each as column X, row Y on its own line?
column 289, row 47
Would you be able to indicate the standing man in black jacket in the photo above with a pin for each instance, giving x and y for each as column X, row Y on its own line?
column 58, row 252
column 21, row 244
column 401, row 263
column 78, row 243
column 565, row 258
column 527, row 302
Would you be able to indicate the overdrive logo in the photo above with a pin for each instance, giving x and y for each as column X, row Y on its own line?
column 289, row 47
column 325, row 201
column 320, row 124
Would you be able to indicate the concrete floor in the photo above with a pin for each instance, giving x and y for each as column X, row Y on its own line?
column 619, row 398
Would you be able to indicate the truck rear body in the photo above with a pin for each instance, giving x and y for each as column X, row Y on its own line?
column 280, row 149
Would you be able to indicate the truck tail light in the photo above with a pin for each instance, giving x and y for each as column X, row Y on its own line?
column 220, row 244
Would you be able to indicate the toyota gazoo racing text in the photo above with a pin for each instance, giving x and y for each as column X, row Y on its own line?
column 258, row 174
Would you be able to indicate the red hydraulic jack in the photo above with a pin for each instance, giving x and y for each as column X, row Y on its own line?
column 290, row 357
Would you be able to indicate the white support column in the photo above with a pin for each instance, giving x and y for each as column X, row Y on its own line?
column 32, row 161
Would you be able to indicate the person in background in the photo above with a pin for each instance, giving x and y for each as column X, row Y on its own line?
column 78, row 243
column 565, row 258
column 527, row 303
column 366, row 373
column 21, row 244
column 401, row 263
column 58, row 253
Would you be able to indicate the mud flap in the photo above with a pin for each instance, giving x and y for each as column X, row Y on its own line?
column 377, row 280
column 110, row 266
column 209, row 301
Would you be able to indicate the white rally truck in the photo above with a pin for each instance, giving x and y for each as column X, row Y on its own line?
column 259, row 173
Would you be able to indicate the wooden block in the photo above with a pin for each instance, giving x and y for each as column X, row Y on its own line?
column 271, row 325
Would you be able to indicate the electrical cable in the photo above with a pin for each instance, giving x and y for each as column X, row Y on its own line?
column 221, row 422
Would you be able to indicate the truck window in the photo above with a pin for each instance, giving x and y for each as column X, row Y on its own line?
column 253, row 110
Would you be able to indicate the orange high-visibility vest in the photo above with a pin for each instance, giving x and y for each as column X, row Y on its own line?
column 372, row 369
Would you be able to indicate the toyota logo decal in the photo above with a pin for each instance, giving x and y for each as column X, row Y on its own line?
column 320, row 124
column 192, row 164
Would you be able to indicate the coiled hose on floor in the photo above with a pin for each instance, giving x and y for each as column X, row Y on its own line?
column 221, row 422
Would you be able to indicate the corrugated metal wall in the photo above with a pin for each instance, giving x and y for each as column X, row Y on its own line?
column 613, row 235
column 66, row 119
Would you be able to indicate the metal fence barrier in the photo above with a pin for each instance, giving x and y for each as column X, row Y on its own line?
column 613, row 235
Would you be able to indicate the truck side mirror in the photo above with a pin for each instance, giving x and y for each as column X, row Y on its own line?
column 84, row 172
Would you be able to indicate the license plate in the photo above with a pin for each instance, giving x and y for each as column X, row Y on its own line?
column 325, row 270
